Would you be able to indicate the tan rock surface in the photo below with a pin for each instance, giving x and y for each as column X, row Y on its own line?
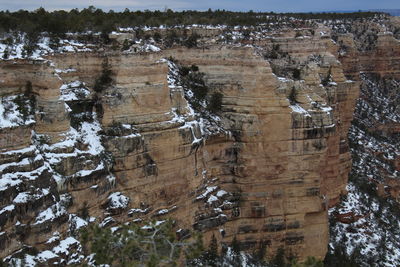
column 280, row 165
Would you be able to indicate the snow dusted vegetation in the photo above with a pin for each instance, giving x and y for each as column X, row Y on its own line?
column 35, row 175
column 374, row 236
column 68, row 252
column 18, row 46
column 51, row 213
column 366, row 224
column 194, row 115
column 86, row 134
column 75, row 90
column 15, row 111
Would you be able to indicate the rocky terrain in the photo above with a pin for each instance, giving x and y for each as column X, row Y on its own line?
column 364, row 224
column 243, row 136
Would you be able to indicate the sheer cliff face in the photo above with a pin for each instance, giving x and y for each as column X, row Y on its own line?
column 266, row 173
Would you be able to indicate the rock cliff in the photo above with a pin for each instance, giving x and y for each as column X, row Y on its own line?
column 263, row 169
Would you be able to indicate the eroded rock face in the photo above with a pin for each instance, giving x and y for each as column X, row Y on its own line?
column 267, row 174
column 382, row 60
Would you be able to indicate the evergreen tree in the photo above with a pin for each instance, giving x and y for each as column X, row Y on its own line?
column 215, row 102
column 279, row 258
column 105, row 79
column 211, row 255
column 293, row 96
column 328, row 78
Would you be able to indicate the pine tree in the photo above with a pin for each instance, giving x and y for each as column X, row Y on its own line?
column 328, row 78
column 235, row 245
column 105, row 79
column 293, row 96
column 211, row 255
column 279, row 259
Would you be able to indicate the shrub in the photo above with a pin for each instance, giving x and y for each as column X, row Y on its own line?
column 191, row 41
column 157, row 37
column 28, row 89
column 54, row 42
column 279, row 258
column 274, row 53
column 210, row 257
column 126, row 45
column 26, row 103
column 201, row 101
column 184, row 70
column 83, row 212
column 296, row 74
column 105, row 79
column 215, row 103
column 195, row 81
column 293, row 96
column 6, row 53
column 194, row 68
column 171, row 38
column 328, row 78
column 30, row 42
column 133, row 245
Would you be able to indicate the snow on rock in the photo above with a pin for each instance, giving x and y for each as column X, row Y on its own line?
column 152, row 225
column 74, row 91
column 71, row 249
column 373, row 230
column 209, row 190
column 76, row 222
column 44, row 47
column 67, row 252
column 16, row 178
column 69, row 70
column 117, row 201
column 54, row 238
column 107, row 221
column 298, row 109
column 18, row 51
column 201, row 125
column 91, row 136
column 25, row 197
column 132, row 212
column 64, row 247
column 72, row 46
column 7, row 209
column 10, row 112
column 51, row 213
column 151, row 48
column 87, row 133
column 45, row 256
column 212, row 199
column 23, row 162
column 165, row 211
column 162, row 212
column 221, row 193
column 20, row 151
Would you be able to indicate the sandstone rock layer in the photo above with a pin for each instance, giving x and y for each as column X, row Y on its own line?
column 268, row 176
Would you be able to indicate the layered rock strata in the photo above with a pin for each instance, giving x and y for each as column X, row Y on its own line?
column 265, row 174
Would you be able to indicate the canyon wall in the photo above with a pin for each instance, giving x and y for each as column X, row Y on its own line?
column 265, row 171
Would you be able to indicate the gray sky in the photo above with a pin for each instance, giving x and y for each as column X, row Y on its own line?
column 235, row 5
